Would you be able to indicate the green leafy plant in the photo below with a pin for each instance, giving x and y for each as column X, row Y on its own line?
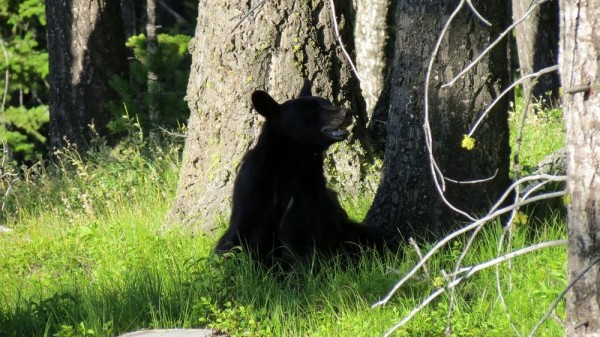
column 24, row 58
column 171, row 62
column 74, row 331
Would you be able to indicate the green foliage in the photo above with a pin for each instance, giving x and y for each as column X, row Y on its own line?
column 26, row 124
column 74, row 331
column 26, row 61
column 171, row 63
column 543, row 132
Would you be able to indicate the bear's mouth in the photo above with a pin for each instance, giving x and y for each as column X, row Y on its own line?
column 339, row 132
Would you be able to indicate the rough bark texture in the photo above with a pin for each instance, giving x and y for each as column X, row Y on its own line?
column 406, row 200
column 86, row 49
column 537, row 46
column 580, row 66
column 371, row 37
column 273, row 49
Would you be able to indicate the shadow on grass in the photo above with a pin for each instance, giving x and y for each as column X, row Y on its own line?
column 85, row 308
column 234, row 295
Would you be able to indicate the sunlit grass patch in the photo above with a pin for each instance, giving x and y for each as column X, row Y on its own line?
column 86, row 257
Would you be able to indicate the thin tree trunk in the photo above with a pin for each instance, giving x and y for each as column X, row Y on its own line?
column 152, row 82
column 129, row 17
column 86, row 49
column 537, row 46
column 406, row 200
column 579, row 70
column 371, row 40
column 241, row 46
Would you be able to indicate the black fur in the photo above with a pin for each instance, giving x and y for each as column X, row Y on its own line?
column 281, row 205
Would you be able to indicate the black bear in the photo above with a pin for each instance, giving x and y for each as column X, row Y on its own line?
column 281, row 205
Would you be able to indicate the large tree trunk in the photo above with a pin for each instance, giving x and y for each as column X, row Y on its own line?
column 537, row 46
column 86, row 49
column 241, row 46
column 406, row 200
column 579, row 71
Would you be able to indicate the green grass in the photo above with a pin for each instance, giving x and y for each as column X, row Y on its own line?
column 543, row 132
column 87, row 258
column 116, row 274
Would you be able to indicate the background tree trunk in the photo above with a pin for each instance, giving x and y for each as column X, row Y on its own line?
column 537, row 46
column 274, row 47
column 86, row 49
column 580, row 66
column 370, row 38
column 406, row 200
column 130, row 17
column 153, row 82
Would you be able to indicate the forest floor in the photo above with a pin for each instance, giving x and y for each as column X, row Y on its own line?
column 86, row 257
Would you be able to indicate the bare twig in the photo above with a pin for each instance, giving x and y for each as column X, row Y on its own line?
column 495, row 42
column 248, row 13
column 507, row 90
column 513, row 186
column 561, row 295
column 5, row 149
column 503, row 258
column 499, row 285
column 171, row 133
column 415, row 311
column 461, row 273
column 477, row 230
column 413, row 243
column 439, row 178
column 467, row 272
column 171, row 11
column 435, row 170
column 461, row 231
column 465, row 182
column 510, row 223
column 519, row 140
column 339, row 40
column 508, row 230
column 479, row 16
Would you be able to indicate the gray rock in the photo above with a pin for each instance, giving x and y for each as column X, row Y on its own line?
column 174, row 333
column 554, row 163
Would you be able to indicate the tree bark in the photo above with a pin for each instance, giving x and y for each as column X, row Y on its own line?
column 406, row 201
column 579, row 71
column 241, row 46
column 86, row 49
column 371, row 41
column 537, row 46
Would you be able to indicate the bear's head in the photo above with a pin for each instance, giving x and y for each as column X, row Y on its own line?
column 307, row 120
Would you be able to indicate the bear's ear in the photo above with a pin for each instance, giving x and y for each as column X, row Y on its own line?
column 306, row 88
column 264, row 103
